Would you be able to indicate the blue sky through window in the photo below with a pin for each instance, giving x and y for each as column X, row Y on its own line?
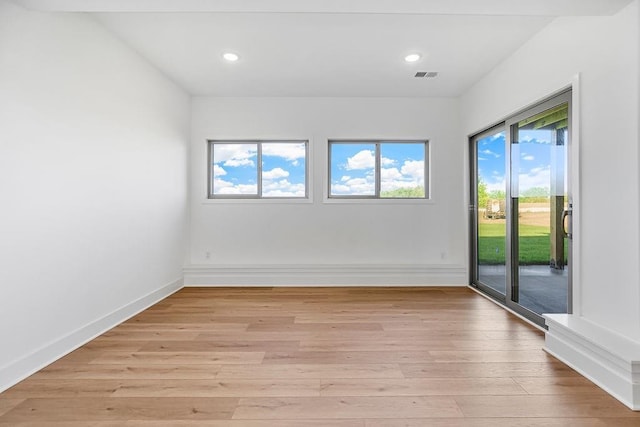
column 235, row 169
column 402, row 166
column 491, row 161
column 353, row 167
column 531, row 160
column 283, row 169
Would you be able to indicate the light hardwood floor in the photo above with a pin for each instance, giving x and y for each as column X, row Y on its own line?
column 340, row 357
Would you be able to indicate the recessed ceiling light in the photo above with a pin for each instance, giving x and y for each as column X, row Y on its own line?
column 230, row 56
column 412, row 57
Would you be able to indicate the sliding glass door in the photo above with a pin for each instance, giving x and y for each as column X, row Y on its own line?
column 539, row 197
column 489, row 212
column 521, row 199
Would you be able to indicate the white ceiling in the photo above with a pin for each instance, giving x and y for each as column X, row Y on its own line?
column 322, row 54
column 326, row 47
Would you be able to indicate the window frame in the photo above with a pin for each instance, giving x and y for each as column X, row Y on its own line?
column 377, row 169
column 259, row 170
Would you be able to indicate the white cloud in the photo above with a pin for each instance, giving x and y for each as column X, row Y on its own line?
column 234, row 163
column 536, row 177
column 354, row 186
column 495, row 180
column 390, row 173
column 500, row 185
column 409, row 176
column 218, row 171
column 276, row 188
column 528, row 157
column 387, row 162
column 281, row 193
column 221, row 186
column 282, row 188
column 288, row 151
column 365, row 159
column 414, row 169
column 535, row 136
column 234, row 154
column 275, row 174
column 395, row 184
column 358, row 181
column 220, row 183
column 491, row 153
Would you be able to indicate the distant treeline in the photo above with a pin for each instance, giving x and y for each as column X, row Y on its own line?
column 407, row 192
column 530, row 195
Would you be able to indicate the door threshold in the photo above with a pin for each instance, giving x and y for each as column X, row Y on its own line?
column 515, row 313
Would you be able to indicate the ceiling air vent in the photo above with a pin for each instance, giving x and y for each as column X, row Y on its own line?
column 426, row 74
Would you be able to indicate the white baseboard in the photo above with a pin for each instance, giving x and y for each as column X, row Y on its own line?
column 609, row 360
column 325, row 275
column 15, row 372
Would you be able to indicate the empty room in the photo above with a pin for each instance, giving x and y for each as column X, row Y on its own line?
column 318, row 213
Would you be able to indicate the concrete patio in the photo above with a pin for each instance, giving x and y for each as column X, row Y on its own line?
column 542, row 289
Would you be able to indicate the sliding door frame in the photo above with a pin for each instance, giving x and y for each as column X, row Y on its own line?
column 473, row 214
column 509, row 126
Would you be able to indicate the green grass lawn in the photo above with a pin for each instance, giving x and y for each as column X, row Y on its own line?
column 534, row 244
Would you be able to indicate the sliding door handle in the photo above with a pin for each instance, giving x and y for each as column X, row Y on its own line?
column 567, row 225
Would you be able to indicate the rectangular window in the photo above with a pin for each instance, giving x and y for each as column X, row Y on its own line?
column 258, row 169
column 378, row 169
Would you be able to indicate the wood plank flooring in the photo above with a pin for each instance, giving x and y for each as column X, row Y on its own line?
column 343, row 357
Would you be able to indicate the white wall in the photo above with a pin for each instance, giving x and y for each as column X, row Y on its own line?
column 419, row 236
column 604, row 51
column 601, row 338
column 93, row 185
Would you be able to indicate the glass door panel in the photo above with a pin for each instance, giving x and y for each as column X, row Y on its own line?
column 520, row 217
column 539, row 184
column 490, row 155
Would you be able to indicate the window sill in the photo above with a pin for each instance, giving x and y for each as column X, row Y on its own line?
column 391, row 201
column 267, row 201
